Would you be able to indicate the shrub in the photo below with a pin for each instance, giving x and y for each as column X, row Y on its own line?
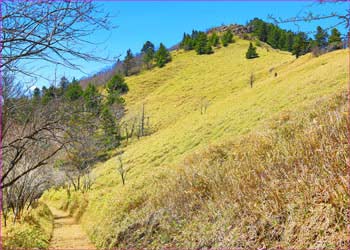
column 227, row 38
column 251, row 53
column 34, row 231
column 117, row 84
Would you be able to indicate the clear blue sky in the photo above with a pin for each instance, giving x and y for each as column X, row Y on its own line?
column 167, row 21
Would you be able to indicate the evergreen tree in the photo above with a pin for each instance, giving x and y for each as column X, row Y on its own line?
column 273, row 36
column 202, row 44
column 321, row 37
column 92, row 98
column 109, row 127
column 300, row 45
column 335, row 41
column 36, row 93
column 260, row 29
column 263, row 32
column 289, row 41
column 74, row 80
column 48, row 94
column 214, row 40
column 64, row 83
column 251, row 53
column 74, row 91
column 187, row 42
column 162, row 56
column 279, row 38
column 195, row 34
column 227, row 38
column 209, row 49
column 147, row 52
column 43, row 90
column 117, row 84
column 282, row 41
column 128, row 62
column 335, row 36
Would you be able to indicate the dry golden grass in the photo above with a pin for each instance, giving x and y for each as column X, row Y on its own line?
column 284, row 187
column 34, row 230
column 193, row 206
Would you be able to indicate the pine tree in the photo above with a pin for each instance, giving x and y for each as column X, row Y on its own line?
column 251, row 53
column 208, row 49
column 92, row 98
column 202, row 44
column 227, row 38
column 187, row 42
column 335, row 41
column 147, row 52
column 43, row 90
column 289, row 41
column 277, row 37
column 64, row 83
column 335, row 36
column 282, row 41
column 73, row 92
column 117, row 84
column 48, row 94
column 300, row 45
column 36, row 95
column 214, row 40
column 260, row 29
column 195, row 34
column 128, row 62
column 162, row 56
column 321, row 37
column 263, row 32
column 273, row 36
column 182, row 43
column 109, row 127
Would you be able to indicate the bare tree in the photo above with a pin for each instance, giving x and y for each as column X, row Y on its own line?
column 26, row 127
column 204, row 105
column 48, row 30
column 342, row 16
column 251, row 80
column 122, row 170
column 129, row 128
column 144, row 123
column 84, row 148
column 20, row 196
column 51, row 31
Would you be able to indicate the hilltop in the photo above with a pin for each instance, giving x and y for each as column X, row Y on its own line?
column 194, row 103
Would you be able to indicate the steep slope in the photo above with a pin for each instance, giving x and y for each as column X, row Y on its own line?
column 173, row 98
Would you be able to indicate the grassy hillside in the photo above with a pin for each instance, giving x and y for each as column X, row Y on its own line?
column 33, row 231
column 172, row 96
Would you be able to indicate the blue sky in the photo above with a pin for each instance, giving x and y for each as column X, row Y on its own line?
column 139, row 21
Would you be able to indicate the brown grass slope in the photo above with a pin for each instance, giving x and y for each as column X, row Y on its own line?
column 285, row 187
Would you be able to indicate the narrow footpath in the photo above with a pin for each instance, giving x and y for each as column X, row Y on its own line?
column 68, row 234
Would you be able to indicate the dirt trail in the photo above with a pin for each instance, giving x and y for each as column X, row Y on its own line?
column 67, row 234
